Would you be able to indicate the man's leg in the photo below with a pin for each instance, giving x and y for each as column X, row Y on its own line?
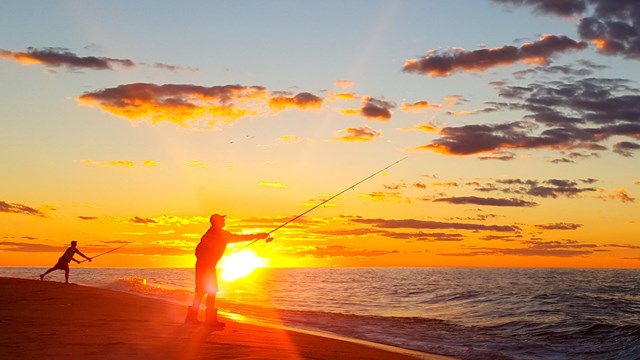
column 66, row 276
column 45, row 273
column 212, row 311
column 192, row 311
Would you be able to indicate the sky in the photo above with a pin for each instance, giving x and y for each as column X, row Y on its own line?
column 516, row 124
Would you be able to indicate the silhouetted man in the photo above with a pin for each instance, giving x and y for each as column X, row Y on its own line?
column 208, row 252
column 65, row 259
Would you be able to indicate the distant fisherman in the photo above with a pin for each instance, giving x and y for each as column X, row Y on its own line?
column 65, row 259
column 208, row 252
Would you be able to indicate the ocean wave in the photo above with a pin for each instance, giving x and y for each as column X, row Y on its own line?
column 141, row 286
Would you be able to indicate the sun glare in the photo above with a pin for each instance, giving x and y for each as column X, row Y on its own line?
column 237, row 265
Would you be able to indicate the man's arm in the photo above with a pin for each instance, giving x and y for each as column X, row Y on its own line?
column 83, row 255
column 234, row 238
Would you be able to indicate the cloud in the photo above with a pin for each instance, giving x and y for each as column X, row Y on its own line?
column 331, row 96
column 59, row 57
column 303, row 100
column 200, row 164
column 382, row 195
column 178, row 103
column 272, row 184
column 625, row 148
column 19, row 209
column 139, row 220
column 445, row 184
column 502, row 156
column 474, row 200
column 559, row 226
column 28, row 247
column 551, row 188
column 360, row 134
column 580, row 114
column 612, row 26
column 291, row 139
column 329, row 251
column 445, row 63
column 423, row 224
column 565, row 248
column 418, row 106
column 87, row 217
column 174, row 68
column 373, row 109
column 621, row 194
column 344, row 84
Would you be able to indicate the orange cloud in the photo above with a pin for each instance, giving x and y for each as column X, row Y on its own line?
column 418, row 106
column 331, row 96
column 362, row 134
column 177, row 103
column 344, row 84
column 621, row 194
column 293, row 139
column 303, row 101
column 272, row 184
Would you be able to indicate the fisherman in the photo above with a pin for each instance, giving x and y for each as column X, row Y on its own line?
column 208, row 252
column 65, row 259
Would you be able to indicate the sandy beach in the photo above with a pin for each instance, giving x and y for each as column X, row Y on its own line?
column 53, row 320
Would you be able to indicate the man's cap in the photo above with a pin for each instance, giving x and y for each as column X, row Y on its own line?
column 216, row 218
column 74, row 242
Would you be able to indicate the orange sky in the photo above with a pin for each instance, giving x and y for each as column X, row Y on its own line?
column 132, row 124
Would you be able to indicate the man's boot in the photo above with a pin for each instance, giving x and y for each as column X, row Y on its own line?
column 212, row 319
column 192, row 316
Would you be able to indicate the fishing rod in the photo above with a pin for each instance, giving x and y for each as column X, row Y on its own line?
column 104, row 253
column 326, row 201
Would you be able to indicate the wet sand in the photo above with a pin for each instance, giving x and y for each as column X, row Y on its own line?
column 53, row 320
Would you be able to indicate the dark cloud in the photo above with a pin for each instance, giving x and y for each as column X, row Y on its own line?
column 581, row 114
column 551, row 188
column 423, row 224
column 565, row 248
column 567, row 70
column 445, row 63
column 87, row 217
column 573, row 156
column 474, row 200
column 611, row 25
column 139, row 220
column 20, row 209
column 559, row 226
column 59, row 57
column 503, row 156
column 625, row 148
column 501, row 237
column 359, row 134
column 418, row 236
column 376, row 109
column 174, row 67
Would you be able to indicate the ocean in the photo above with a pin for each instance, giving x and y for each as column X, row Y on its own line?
column 469, row 313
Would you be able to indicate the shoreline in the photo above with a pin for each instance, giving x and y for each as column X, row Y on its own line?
column 53, row 320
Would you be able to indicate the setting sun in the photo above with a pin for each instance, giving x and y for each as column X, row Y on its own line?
column 240, row 264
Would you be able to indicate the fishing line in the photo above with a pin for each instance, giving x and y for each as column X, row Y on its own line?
column 326, row 201
column 106, row 252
